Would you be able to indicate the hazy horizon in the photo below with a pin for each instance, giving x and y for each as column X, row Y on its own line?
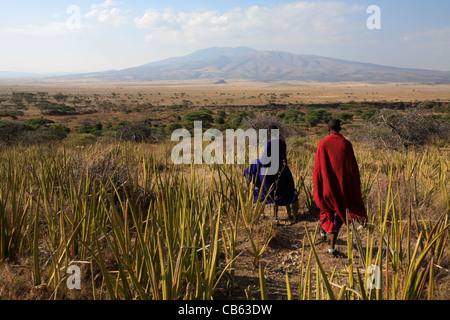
column 49, row 37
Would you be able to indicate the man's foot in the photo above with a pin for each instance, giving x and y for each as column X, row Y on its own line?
column 293, row 218
column 335, row 254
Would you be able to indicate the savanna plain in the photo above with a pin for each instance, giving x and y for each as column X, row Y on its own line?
column 87, row 180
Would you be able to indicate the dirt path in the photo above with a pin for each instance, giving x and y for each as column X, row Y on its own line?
column 283, row 255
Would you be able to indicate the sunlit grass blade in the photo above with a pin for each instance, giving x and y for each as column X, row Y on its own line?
column 321, row 270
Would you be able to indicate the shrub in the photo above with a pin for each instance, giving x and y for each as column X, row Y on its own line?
column 54, row 109
column 95, row 129
column 110, row 170
column 138, row 132
column 390, row 129
column 236, row 119
column 262, row 122
column 345, row 117
column 366, row 115
column 9, row 132
column 293, row 116
column 11, row 113
column 44, row 135
column 204, row 116
column 37, row 123
column 315, row 116
column 80, row 139
column 172, row 126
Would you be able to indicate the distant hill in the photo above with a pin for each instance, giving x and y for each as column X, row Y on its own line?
column 13, row 75
column 26, row 75
column 224, row 63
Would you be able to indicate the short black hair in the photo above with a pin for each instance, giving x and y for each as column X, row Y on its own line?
column 273, row 127
column 334, row 125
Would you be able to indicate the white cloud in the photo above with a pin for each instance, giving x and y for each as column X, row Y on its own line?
column 303, row 22
column 106, row 4
column 105, row 14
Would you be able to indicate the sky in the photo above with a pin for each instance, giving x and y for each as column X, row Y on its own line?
column 98, row 35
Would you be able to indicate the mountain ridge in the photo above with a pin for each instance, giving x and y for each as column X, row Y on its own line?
column 244, row 63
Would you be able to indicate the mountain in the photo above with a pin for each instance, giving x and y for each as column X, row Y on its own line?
column 11, row 75
column 23, row 75
column 250, row 64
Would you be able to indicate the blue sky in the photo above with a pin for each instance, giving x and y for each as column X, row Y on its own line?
column 96, row 35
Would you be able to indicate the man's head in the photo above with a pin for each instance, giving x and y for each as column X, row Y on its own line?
column 271, row 131
column 334, row 126
column 273, row 127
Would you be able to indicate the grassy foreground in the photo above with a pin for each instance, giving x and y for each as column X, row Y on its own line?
column 139, row 227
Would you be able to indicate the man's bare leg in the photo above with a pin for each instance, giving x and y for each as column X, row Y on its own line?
column 292, row 210
column 332, row 250
column 275, row 212
column 333, row 240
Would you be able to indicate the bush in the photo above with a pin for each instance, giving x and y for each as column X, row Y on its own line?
column 172, row 126
column 204, row 116
column 138, row 132
column 345, row 117
column 80, row 139
column 44, row 135
column 32, row 131
column 9, row 132
column 37, row 123
column 59, row 126
column 219, row 120
column 236, row 119
column 366, row 115
column 110, row 170
column 390, row 129
column 11, row 113
column 54, row 109
column 262, row 122
column 315, row 116
column 95, row 129
column 292, row 116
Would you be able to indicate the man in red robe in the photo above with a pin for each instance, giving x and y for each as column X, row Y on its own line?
column 337, row 186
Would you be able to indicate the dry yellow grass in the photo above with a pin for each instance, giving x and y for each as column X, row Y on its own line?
column 240, row 92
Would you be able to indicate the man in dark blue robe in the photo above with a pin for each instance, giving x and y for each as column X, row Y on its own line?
column 279, row 188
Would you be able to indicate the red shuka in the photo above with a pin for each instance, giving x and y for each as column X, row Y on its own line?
column 337, row 186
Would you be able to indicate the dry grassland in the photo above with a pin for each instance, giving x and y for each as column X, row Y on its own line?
column 239, row 92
